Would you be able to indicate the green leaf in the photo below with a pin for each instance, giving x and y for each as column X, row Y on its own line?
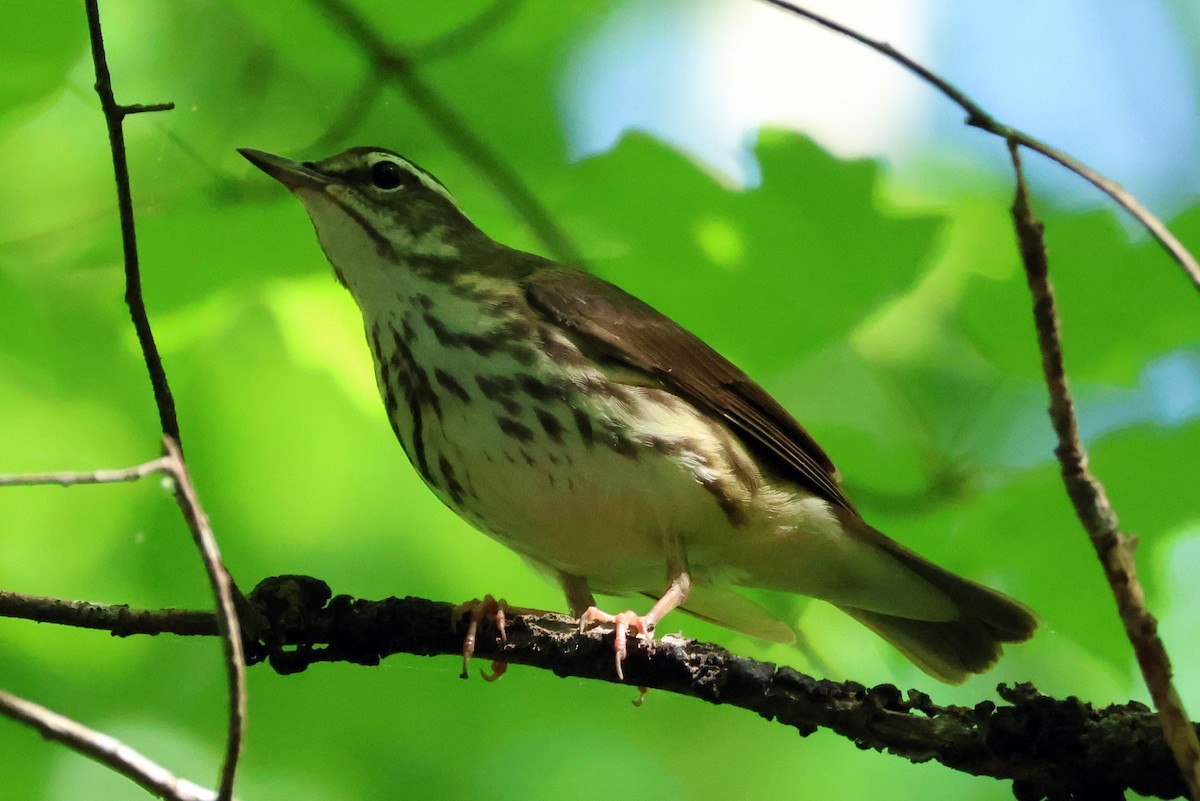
column 767, row 275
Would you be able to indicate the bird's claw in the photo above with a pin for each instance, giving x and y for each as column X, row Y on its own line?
column 479, row 610
column 622, row 623
column 498, row 670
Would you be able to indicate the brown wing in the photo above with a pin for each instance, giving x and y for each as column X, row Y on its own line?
column 624, row 328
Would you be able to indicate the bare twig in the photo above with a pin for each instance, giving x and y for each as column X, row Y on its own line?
column 1092, row 506
column 390, row 61
column 227, row 618
column 1047, row 747
column 977, row 117
column 116, row 618
column 71, row 478
column 222, row 585
column 120, row 620
column 105, row 749
column 114, row 117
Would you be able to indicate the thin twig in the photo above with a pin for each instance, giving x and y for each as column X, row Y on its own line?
column 977, row 117
column 105, row 749
column 227, row 618
column 394, row 63
column 68, row 478
column 114, row 117
column 1113, row 547
column 121, row 621
column 116, row 618
column 185, row 496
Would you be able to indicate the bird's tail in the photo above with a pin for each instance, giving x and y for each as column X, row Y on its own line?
column 950, row 650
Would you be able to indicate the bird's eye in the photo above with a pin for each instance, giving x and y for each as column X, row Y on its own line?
column 387, row 174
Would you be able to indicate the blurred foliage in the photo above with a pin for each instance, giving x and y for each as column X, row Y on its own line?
column 898, row 332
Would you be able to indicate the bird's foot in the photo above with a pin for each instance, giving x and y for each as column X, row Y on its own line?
column 643, row 625
column 478, row 611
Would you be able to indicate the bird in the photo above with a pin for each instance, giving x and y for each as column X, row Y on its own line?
column 606, row 444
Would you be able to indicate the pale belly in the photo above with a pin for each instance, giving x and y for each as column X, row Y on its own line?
column 597, row 474
column 554, row 483
column 583, row 472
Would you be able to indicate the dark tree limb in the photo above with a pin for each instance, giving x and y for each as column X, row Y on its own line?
column 1049, row 748
column 1114, row 547
column 118, row 619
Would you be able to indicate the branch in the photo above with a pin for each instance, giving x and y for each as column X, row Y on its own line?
column 71, row 478
column 979, row 118
column 114, row 117
column 394, row 63
column 185, row 495
column 106, row 750
column 1049, row 748
column 1113, row 547
column 116, row 618
column 121, row 621
column 227, row 617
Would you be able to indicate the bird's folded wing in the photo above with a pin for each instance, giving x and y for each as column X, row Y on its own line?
column 607, row 319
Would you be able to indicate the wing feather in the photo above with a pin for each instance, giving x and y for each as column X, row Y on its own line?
column 620, row 326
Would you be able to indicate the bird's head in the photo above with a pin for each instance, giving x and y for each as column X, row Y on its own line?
column 376, row 213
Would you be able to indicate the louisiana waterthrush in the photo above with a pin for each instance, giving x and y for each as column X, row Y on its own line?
column 604, row 442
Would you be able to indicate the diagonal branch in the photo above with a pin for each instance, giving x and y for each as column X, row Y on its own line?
column 105, row 749
column 227, row 617
column 1114, row 547
column 979, row 118
column 121, row 621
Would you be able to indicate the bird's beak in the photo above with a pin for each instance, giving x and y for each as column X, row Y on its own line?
column 291, row 174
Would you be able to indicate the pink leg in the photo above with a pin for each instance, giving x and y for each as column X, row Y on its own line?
column 644, row 625
column 579, row 595
column 479, row 610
